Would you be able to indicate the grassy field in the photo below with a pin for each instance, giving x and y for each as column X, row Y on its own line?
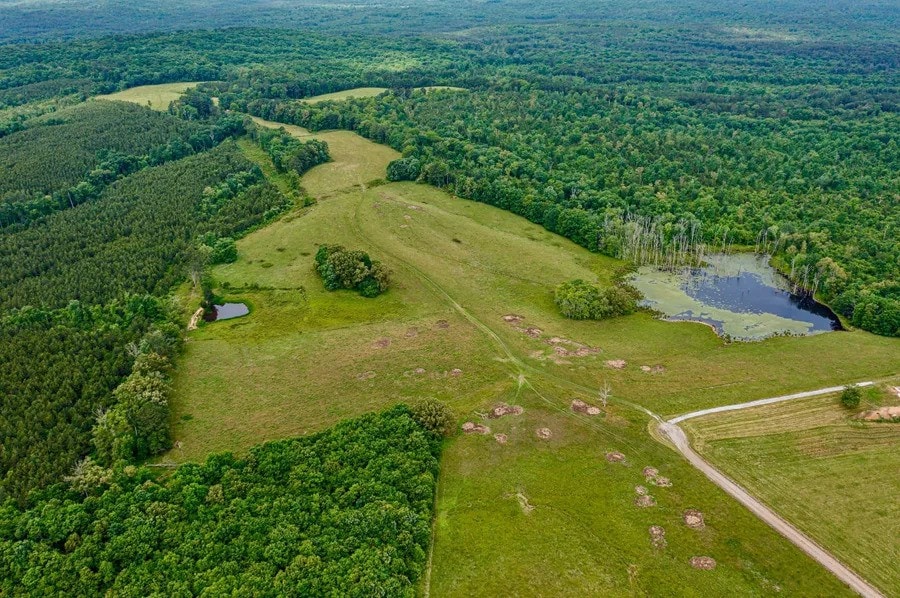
column 830, row 474
column 359, row 92
column 305, row 358
column 156, row 97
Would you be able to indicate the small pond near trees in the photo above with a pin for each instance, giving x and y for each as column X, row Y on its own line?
column 227, row 311
column 739, row 295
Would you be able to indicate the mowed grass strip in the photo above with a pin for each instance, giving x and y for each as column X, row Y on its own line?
column 830, row 474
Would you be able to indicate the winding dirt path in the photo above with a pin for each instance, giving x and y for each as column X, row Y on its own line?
column 674, row 433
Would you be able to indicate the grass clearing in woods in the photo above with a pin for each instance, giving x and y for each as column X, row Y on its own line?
column 306, row 358
column 156, row 97
column 833, row 476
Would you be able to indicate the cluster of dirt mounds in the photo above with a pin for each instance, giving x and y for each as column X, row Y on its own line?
column 654, row 369
column 501, row 438
column 616, row 364
column 503, row 409
column 706, row 563
column 882, row 414
column 579, row 406
column 693, row 519
column 615, row 457
column 651, row 475
column 544, row 433
column 658, row 537
column 365, row 375
column 561, row 347
column 473, row 428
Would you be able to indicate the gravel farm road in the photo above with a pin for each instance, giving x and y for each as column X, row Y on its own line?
column 674, row 433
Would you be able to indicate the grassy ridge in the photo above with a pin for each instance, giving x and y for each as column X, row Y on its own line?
column 305, row 358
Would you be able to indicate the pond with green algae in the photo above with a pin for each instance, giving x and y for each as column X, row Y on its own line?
column 739, row 295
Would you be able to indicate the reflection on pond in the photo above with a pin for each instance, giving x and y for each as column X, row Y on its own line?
column 739, row 295
column 226, row 312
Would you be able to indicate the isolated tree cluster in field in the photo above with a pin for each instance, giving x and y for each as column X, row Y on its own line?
column 582, row 300
column 341, row 268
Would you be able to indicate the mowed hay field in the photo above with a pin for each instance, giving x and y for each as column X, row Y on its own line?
column 531, row 516
column 155, row 97
column 832, row 475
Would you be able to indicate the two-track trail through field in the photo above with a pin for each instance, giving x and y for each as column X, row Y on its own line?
column 674, row 433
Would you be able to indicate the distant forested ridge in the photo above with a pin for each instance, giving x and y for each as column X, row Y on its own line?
column 347, row 511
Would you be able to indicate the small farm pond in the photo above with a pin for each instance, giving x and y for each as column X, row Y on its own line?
column 739, row 295
column 227, row 311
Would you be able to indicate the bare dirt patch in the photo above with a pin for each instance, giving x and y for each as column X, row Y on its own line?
column 513, row 318
column 615, row 457
column 533, row 332
column 579, row 406
column 654, row 369
column 657, row 537
column 501, row 438
column 544, row 433
column 645, row 501
column 455, row 372
column 503, row 409
column 365, row 375
column 415, row 372
column 382, row 343
column 473, row 428
column 706, row 563
column 641, row 490
column 616, row 364
column 195, row 319
column 526, row 506
column 693, row 519
column 577, row 349
column 412, row 332
column 882, row 414
column 442, row 324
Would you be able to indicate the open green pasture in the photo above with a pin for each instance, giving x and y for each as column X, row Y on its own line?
column 156, row 97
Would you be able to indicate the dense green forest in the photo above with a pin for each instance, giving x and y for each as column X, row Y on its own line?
column 76, row 356
column 134, row 239
column 347, row 512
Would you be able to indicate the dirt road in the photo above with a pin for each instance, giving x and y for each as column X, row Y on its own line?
column 671, row 430
column 799, row 395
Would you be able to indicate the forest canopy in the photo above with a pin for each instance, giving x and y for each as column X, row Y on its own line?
column 345, row 511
